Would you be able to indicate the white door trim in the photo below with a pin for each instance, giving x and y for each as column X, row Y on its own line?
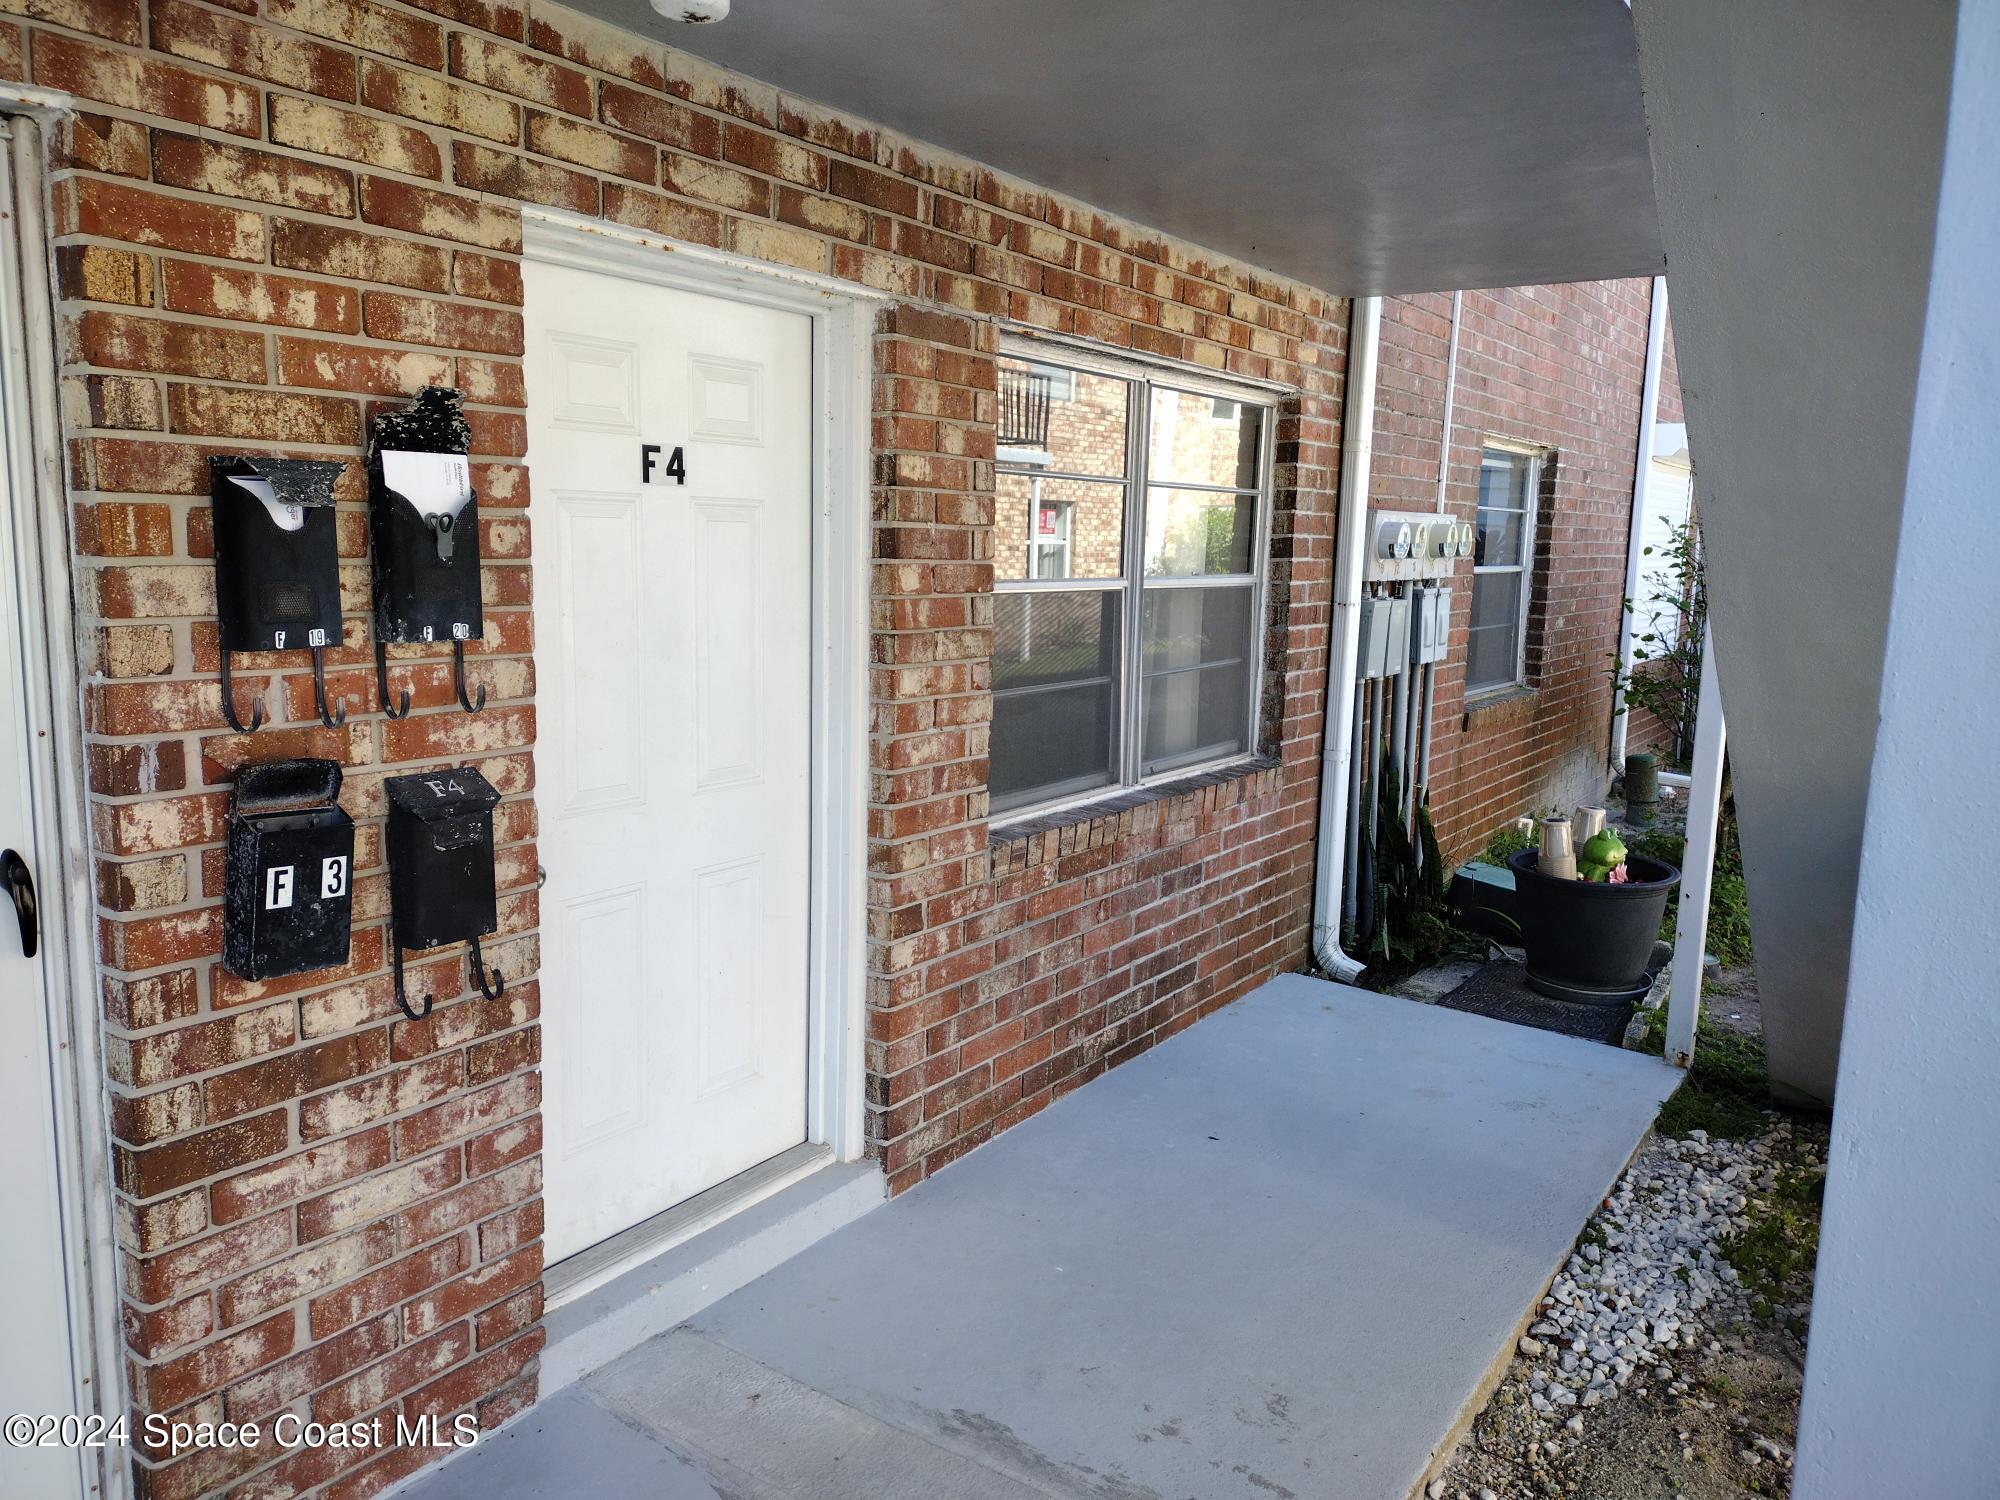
column 843, row 325
column 36, row 493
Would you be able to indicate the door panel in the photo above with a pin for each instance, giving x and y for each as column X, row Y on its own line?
column 674, row 637
column 35, row 1374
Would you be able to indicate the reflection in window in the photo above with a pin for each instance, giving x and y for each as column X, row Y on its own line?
column 1055, row 693
column 1502, row 560
column 1111, row 668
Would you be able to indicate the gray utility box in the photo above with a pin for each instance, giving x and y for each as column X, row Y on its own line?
column 1385, row 636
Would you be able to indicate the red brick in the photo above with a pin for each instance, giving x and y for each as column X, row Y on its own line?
column 361, row 255
column 506, row 175
column 440, row 215
column 101, row 143
column 253, row 48
column 384, row 1193
column 303, row 1274
column 145, row 85
column 522, row 74
column 438, row 101
column 660, row 119
column 354, row 367
column 305, row 1172
column 222, row 170
column 160, row 1169
column 468, row 1294
column 372, row 28
column 255, row 297
column 291, row 1074
column 312, row 126
column 113, row 210
column 216, row 411
column 213, row 1365
column 382, row 1289
column 450, row 325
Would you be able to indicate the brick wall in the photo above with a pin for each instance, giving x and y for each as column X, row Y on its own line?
column 1561, row 367
column 271, row 221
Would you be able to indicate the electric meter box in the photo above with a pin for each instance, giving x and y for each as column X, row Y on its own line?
column 286, row 906
column 440, row 846
column 1415, row 544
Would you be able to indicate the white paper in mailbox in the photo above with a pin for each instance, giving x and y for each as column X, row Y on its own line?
column 289, row 514
column 437, row 484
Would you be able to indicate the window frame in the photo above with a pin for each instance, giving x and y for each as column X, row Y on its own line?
column 1536, row 458
column 1127, row 758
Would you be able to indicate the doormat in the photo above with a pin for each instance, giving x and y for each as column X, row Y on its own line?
column 1500, row 990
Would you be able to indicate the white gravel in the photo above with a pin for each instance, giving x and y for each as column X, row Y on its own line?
column 1634, row 1295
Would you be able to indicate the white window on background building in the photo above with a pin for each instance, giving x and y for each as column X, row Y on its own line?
column 1503, row 566
column 1129, row 538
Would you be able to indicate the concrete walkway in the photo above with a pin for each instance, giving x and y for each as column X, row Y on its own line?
column 1276, row 1256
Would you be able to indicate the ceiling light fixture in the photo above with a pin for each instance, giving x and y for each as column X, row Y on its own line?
column 693, row 12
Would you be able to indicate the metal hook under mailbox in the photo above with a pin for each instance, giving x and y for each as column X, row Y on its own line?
column 229, row 704
column 402, row 1000
column 402, row 711
column 339, row 716
column 495, row 986
column 465, row 701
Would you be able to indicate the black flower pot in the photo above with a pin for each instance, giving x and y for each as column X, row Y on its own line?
column 1590, row 942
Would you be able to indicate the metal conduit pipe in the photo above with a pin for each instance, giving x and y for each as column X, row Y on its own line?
column 1338, row 741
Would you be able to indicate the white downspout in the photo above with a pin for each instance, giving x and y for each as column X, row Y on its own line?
column 1357, row 444
column 1635, row 541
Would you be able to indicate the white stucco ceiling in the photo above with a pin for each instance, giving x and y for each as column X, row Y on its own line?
column 1360, row 145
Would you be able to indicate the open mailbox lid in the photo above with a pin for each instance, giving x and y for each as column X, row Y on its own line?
column 279, row 787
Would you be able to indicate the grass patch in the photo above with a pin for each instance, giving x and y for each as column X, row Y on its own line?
column 1775, row 1255
column 1728, row 935
column 1728, row 1087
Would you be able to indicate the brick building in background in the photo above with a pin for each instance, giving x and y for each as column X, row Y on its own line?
column 1552, row 375
column 269, row 224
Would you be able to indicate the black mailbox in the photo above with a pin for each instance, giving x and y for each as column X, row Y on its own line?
column 424, row 525
column 286, row 906
column 277, row 568
column 441, row 869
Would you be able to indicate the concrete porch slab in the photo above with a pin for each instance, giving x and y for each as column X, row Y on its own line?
column 1276, row 1256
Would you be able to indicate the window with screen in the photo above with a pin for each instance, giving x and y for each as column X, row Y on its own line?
column 1502, row 570
column 1129, row 522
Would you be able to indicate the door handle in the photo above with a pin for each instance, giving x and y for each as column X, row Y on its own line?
column 21, row 886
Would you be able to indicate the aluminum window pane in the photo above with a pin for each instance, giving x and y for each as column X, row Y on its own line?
column 1197, row 439
column 1055, row 693
column 1192, row 533
column 1197, row 662
column 1493, row 650
column 1028, row 510
column 1066, row 421
column 1498, row 538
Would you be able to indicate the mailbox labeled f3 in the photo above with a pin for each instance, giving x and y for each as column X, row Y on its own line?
column 286, row 901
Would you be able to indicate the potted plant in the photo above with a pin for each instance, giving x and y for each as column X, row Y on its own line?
column 1589, row 940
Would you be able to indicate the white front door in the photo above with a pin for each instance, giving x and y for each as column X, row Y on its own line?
column 35, row 1375
column 670, row 459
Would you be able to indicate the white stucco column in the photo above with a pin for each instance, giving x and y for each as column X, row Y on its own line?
column 1903, row 1373
column 1829, row 198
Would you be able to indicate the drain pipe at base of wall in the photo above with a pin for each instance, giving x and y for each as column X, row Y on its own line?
column 1635, row 539
column 1350, row 552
